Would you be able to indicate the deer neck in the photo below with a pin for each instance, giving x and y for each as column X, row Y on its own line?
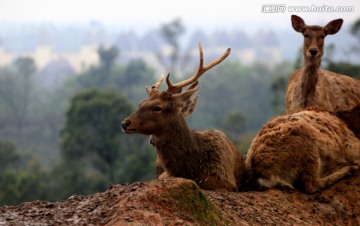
column 309, row 79
column 178, row 142
column 177, row 135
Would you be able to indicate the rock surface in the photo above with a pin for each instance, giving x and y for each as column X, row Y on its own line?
column 178, row 201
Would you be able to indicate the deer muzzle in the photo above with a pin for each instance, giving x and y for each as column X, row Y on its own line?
column 313, row 51
column 125, row 124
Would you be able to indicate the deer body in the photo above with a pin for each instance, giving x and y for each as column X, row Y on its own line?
column 309, row 149
column 351, row 118
column 331, row 91
column 312, row 86
column 207, row 157
column 200, row 156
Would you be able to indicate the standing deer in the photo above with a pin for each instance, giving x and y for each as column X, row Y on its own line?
column 313, row 86
column 310, row 149
column 207, row 157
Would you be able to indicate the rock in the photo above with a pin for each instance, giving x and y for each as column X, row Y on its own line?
column 178, row 201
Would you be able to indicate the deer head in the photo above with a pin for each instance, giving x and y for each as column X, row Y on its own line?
column 156, row 113
column 314, row 35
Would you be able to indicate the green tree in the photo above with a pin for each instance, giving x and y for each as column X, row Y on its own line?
column 108, row 56
column 137, row 73
column 171, row 32
column 8, row 155
column 234, row 124
column 280, row 74
column 100, row 76
column 21, row 177
column 94, row 150
column 72, row 177
column 299, row 59
column 107, row 61
column 93, row 127
column 345, row 68
column 25, row 66
column 233, row 87
column 132, row 79
column 16, row 88
column 355, row 28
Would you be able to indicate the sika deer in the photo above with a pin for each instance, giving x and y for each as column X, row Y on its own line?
column 312, row 86
column 351, row 118
column 207, row 157
column 309, row 150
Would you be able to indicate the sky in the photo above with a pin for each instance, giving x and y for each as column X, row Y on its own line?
column 209, row 14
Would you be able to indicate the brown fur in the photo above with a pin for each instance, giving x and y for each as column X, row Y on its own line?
column 309, row 149
column 207, row 157
column 312, row 86
column 351, row 118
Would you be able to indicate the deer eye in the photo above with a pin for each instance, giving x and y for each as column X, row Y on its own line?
column 322, row 36
column 157, row 109
column 306, row 35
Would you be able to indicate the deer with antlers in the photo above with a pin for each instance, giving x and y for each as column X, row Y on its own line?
column 313, row 86
column 207, row 157
column 307, row 150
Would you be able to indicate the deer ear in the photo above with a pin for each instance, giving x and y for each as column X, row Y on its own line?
column 148, row 90
column 188, row 100
column 189, row 107
column 333, row 26
column 189, row 94
column 297, row 23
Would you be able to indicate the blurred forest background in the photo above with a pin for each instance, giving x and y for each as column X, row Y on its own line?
column 60, row 131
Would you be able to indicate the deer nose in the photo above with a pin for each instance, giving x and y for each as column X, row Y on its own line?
column 313, row 52
column 125, row 124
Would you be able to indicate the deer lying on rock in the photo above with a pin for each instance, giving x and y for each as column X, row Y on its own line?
column 351, row 118
column 310, row 150
column 207, row 157
column 313, row 86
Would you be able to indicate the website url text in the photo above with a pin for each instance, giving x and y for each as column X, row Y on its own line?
column 282, row 8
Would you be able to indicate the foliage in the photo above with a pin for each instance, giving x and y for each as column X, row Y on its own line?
column 8, row 155
column 71, row 177
column 355, row 29
column 278, row 87
column 281, row 74
column 95, row 152
column 100, row 76
column 21, row 178
column 16, row 90
column 233, row 123
column 93, row 127
column 131, row 79
column 345, row 68
column 171, row 32
column 230, row 88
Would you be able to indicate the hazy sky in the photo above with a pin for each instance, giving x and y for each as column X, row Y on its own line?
column 144, row 13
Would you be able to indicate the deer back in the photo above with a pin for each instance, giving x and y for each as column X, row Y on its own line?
column 300, row 149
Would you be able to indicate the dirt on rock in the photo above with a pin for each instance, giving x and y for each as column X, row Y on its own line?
column 179, row 201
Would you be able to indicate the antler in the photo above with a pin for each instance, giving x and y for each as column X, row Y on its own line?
column 176, row 88
column 156, row 86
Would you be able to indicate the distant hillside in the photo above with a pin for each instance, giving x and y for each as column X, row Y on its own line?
column 77, row 44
